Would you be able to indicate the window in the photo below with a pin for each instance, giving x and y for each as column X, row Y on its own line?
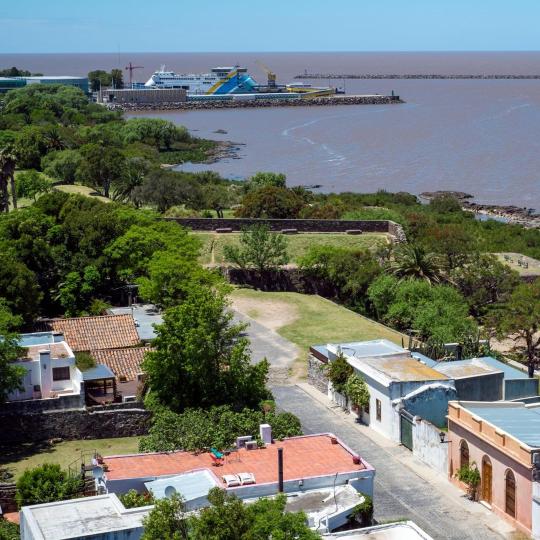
column 61, row 374
column 463, row 454
column 378, row 407
column 510, row 490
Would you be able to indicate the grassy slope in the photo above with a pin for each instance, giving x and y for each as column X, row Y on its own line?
column 321, row 321
column 298, row 243
column 82, row 190
column 17, row 458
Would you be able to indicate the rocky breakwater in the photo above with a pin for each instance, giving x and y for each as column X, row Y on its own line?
column 374, row 99
column 516, row 215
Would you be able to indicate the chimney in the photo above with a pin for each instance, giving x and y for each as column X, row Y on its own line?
column 280, row 469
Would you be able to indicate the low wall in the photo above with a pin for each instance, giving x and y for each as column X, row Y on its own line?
column 302, row 225
column 74, row 424
column 317, row 374
column 480, row 388
column 34, row 406
column 520, row 388
column 427, row 446
column 7, row 498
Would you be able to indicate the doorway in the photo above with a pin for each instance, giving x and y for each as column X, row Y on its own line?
column 487, row 478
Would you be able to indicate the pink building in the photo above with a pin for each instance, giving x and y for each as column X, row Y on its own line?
column 503, row 440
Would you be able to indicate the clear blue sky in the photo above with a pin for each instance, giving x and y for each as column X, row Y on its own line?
column 267, row 25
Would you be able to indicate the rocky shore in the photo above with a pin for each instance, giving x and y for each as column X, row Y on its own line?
column 510, row 214
column 256, row 103
column 411, row 76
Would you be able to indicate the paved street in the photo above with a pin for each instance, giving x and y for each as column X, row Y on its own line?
column 399, row 491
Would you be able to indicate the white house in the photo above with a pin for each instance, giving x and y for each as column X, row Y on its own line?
column 393, row 377
column 50, row 368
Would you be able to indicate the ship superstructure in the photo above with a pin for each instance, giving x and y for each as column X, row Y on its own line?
column 220, row 80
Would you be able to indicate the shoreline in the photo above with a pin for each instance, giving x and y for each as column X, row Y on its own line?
column 513, row 215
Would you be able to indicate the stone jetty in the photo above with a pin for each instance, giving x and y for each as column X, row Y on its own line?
column 340, row 99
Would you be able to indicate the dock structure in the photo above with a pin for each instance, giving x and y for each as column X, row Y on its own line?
column 482, row 76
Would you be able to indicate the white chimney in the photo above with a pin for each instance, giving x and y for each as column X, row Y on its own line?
column 265, row 432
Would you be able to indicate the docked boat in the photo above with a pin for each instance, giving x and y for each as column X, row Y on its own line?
column 220, row 80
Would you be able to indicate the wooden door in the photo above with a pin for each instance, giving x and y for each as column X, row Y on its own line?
column 487, row 478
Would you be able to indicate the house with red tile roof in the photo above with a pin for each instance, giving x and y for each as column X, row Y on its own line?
column 94, row 333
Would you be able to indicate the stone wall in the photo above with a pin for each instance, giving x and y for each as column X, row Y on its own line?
column 317, row 374
column 301, row 225
column 74, row 424
column 7, row 498
column 34, row 406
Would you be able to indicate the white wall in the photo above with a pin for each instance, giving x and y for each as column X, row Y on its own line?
column 427, row 446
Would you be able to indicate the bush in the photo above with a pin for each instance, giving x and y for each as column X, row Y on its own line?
column 196, row 429
column 357, row 391
column 363, row 512
column 339, row 372
column 134, row 499
column 46, row 483
column 8, row 530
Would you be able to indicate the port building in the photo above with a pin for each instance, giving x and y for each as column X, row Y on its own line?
column 10, row 83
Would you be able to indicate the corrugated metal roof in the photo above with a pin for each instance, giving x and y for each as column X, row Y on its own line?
column 373, row 348
column 521, row 422
column 97, row 373
column 509, row 371
column 190, row 486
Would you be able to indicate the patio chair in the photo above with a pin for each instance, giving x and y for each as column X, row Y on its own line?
column 216, row 462
column 215, row 452
column 246, row 478
column 231, row 480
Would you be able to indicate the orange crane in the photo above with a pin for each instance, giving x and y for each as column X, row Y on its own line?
column 132, row 68
column 270, row 74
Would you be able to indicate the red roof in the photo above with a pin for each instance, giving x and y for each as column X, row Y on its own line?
column 93, row 333
column 303, row 457
column 125, row 363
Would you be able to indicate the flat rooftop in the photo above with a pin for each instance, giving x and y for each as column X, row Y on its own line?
column 78, row 518
column 406, row 530
column 458, row 369
column 518, row 420
column 145, row 316
column 57, row 350
column 303, row 457
column 190, row 485
column 362, row 349
column 398, row 368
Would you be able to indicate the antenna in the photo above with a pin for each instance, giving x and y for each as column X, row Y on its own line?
column 170, row 491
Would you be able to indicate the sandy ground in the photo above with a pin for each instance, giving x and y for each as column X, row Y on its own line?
column 272, row 314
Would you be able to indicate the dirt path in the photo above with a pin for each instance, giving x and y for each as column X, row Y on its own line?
column 273, row 314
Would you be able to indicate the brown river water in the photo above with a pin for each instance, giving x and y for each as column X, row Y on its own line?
column 477, row 136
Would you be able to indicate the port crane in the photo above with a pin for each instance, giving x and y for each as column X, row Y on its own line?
column 270, row 74
column 131, row 68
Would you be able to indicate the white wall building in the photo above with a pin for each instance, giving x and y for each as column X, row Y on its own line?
column 391, row 374
column 50, row 368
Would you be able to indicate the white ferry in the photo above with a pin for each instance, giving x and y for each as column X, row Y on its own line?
column 220, row 80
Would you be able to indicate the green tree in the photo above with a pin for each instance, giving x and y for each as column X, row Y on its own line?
column 100, row 167
column 484, row 282
column 412, row 261
column 9, row 530
column 445, row 203
column 338, row 372
column 98, row 79
column 357, row 391
column 76, row 291
column 133, row 175
column 62, row 165
column 117, row 78
column 170, row 276
column 30, row 147
column 46, row 483
column 156, row 131
column 8, row 160
column 452, row 241
column 271, row 202
column 201, row 359
column 166, row 521
column 266, row 179
column 259, row 248
column 519, row 319
column 134, row 499
column 31, row 183
column 10, row 374
column 382, row 293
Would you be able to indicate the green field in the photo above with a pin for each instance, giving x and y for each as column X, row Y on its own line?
column 17, row 458
column 311, row 320
column 298, row 244
column 81, row 190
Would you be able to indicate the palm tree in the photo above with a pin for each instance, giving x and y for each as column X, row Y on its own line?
column 411, row 261
column 7, row 177
column 53, row 139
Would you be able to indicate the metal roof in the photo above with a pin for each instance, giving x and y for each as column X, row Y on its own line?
column 373, row 348
column 509, row 371
column 190, row 485
column 97, row 373
column 517, row 420
column 457, row 369
column 145, row 315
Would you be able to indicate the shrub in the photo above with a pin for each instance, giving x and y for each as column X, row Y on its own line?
column 134, row 499
column 357, row 391
column 363, row 512
column 469, row 474
column 338, row 372
column 46, row 483
column 8, row 530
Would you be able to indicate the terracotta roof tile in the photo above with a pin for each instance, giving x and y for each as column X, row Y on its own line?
column 94, row 333
column 125, row 363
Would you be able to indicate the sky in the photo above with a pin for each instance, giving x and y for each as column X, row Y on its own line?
column 28, row 26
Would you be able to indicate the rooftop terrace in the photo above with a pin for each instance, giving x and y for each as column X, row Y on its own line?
column 303, row 457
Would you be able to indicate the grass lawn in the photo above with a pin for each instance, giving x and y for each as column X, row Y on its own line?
column 17, row 458
column 82, row 190
column 313, row 320
column 298, row 244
